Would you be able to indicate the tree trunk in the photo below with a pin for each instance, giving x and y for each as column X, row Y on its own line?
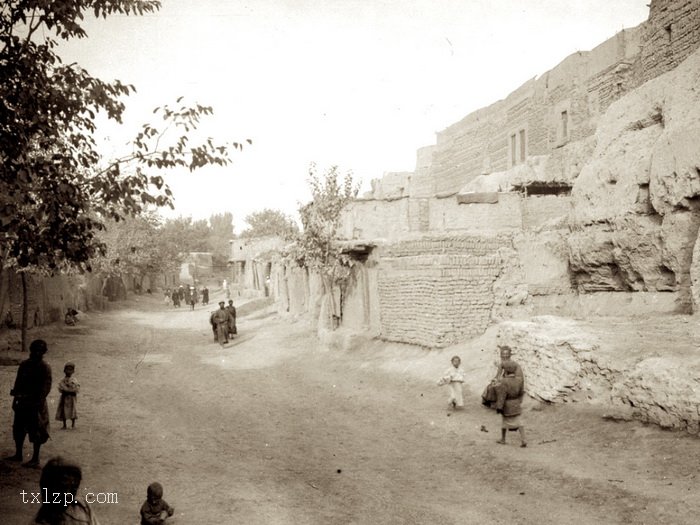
column 25, row 313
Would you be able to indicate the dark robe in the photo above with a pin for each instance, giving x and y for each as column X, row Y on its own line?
column 32, row 385
column 232, row 329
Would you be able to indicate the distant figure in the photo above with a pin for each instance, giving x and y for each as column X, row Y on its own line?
column 220, row 322
column 454, row 378
column 71, row 317
column 69, row 388
column 194, row 297
column 167, row 297
column 205, row 295
column 62, row 477
column 32, row 385
column 155, row 509
column 181, row 293
column 232, row 329
column 176, row 298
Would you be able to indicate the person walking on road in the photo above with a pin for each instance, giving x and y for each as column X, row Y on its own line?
column 219, row 322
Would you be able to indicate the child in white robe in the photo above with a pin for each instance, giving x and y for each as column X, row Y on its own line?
column 453, row 378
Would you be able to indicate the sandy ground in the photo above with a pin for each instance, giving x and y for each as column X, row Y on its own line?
column 274, row 429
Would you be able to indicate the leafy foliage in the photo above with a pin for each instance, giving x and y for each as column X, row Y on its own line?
column 219, row 239
column 186, row 234
column 56, row 193
column 270, row 222
column 135, row 246
column 316, row 247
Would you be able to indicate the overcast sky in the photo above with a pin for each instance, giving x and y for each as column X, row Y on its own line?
column 358, row 83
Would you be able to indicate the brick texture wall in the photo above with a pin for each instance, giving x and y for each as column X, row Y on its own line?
column 670, row 35
column 435, row 292
column 583, row 85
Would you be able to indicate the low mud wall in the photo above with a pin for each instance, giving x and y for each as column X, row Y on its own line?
column 564, row 362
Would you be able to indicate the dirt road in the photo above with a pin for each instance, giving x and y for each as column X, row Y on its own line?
column 273, row 429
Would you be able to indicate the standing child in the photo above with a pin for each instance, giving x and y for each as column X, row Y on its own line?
column 510, row 392
column 155, row 510
column 69, row 388
column 454, row 377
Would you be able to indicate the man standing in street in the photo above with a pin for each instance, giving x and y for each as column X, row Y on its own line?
column 32, row 385
column 232, row 330
column 219, row 322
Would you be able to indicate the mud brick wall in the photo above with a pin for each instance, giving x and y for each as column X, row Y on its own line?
column 373, row 219
column 544, row 211
column 448, row 215
column 583, row 85
column 435, row 292
column 670, row 35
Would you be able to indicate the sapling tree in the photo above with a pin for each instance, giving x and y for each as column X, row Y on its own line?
column 317, row 247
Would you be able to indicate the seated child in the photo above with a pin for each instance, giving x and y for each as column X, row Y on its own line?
column 155, row 510
column 71, row 316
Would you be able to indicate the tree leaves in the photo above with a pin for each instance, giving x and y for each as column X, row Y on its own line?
column 56, row 192
column 270, row 222
column 316, row 247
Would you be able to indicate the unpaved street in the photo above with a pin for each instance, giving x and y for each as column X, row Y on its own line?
column 273, row 429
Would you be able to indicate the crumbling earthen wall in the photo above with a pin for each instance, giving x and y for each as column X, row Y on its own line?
column 435, row 291
column 48, row 298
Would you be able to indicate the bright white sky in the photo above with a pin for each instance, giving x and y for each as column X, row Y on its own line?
column 358, row 83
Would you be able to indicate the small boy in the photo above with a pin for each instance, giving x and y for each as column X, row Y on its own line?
column 155, row 510
column 454, row 377
column 69, row 388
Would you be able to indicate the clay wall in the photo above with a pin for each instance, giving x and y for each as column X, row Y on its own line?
column 449, row 216
column 670, row 35
column 373, row 218
column 48, row 298
column 436, row 291
column 542, row 211
column 530, row 121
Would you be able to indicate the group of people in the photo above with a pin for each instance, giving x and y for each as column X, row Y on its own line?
column 504, row 393
column 223, row 322
column 188, row 295
column 60, row 476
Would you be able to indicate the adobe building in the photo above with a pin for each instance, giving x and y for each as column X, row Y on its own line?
column 254, row 264
column 579, row 185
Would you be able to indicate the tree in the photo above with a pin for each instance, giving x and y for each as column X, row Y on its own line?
column 220, row 235
column 135, row 246
column 55, row 191
column 186, row 234
column 316, row 248
column 269, row 222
